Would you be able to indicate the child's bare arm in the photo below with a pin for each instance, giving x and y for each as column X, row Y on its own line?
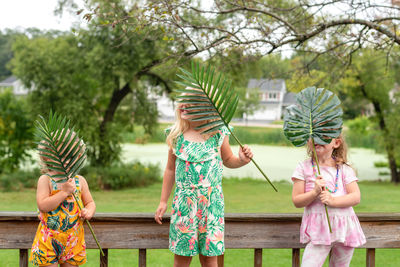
column 352, row 197
column 168, row 183
column 299, row 197
column 89, row 206
column 232, row 161
column 45, row 202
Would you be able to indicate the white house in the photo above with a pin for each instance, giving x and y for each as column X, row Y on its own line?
column 16, row 85
column 273, row 99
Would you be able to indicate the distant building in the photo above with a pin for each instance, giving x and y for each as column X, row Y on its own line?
column 273, row 99
column 17, row 87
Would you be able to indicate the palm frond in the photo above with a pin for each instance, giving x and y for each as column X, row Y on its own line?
column 60, row 146
column 210, row 99
column 207, row 93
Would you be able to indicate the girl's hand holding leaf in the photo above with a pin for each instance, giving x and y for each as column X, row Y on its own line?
column 68, row 187
column 319, row 185
column 326, row 198
column 86, row 214
column 245, row 154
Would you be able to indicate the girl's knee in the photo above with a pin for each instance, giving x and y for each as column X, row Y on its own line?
column 208, row 261
column 182, row 261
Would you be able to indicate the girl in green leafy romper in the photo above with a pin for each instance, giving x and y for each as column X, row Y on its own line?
column 195, row 164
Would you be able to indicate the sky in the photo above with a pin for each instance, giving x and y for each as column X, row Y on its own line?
column 22, row 14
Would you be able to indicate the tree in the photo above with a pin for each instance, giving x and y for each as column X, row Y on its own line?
column 338, row 27
column 88, row 76
column 370, row 78
column 6, row 39
column 15, row 132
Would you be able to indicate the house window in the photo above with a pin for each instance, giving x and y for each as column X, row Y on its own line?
column 272, row 96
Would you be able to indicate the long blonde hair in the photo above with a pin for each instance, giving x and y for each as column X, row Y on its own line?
column 180, row 126
column 339, row 154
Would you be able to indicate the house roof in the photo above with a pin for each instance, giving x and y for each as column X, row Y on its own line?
column 8, row 81
column 267, row 85
column 289, row 99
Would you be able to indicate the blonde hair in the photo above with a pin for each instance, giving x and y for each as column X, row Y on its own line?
column 339, row 154
column 44, row 167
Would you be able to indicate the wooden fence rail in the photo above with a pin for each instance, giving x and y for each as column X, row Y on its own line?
column 244, row 231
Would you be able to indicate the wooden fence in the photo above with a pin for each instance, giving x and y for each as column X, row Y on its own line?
column 242, row 231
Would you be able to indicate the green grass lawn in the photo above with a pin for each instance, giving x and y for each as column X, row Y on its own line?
column 241, row 195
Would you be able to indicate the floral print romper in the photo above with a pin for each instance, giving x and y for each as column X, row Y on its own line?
column 197, row 216
column 59, row 237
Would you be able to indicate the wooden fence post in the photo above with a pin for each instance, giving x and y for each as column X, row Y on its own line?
column 142, row 257
column 295, row 257
column 104, row 260
column 370, row 257
column 23, row 258
column 257, row 257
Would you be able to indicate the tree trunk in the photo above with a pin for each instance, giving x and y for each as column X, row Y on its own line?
column 116, row 99
column 394, row 173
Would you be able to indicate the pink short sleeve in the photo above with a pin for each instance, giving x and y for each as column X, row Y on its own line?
column 348, row 174
column 299, row 172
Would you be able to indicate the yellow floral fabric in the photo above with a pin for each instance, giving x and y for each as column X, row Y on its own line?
column 60, row 235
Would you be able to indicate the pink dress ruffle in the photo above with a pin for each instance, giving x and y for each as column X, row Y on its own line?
column 314, row 228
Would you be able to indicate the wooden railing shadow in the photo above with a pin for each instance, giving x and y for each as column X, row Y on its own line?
column 242, row 231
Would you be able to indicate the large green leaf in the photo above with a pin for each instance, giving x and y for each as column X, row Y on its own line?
column 210, row 100
column 64, row 151
column 317, row 114
column 209, row 96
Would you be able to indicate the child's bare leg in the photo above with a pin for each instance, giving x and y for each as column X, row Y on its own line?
column 208, row 261
column 182, row 261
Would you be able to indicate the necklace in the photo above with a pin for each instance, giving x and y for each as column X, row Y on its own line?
column 336, row 180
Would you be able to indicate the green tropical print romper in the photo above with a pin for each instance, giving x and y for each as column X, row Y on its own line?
column 197, row 216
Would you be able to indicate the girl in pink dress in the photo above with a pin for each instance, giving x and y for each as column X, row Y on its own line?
column 337, row 188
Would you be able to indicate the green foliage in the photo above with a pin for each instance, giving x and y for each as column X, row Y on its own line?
column 15, row 132
column 121, row 176
column 381, row 164
column 6, row 39
column 84, row 75
column 60, row 147
column 260, row 136
column 363, row 132
column 18, row 180
column 316, row 115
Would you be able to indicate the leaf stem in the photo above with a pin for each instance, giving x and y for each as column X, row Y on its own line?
column 255, row 163
column 88, row 223
column 319, row 173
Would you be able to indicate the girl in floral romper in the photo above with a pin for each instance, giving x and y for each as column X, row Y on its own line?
column 59, row 237
column 195, row 165
column 337, row 188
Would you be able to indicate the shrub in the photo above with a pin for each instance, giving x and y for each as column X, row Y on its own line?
column 19, row 179
column 362, row 132
column 115, row 177
column 121, row 176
